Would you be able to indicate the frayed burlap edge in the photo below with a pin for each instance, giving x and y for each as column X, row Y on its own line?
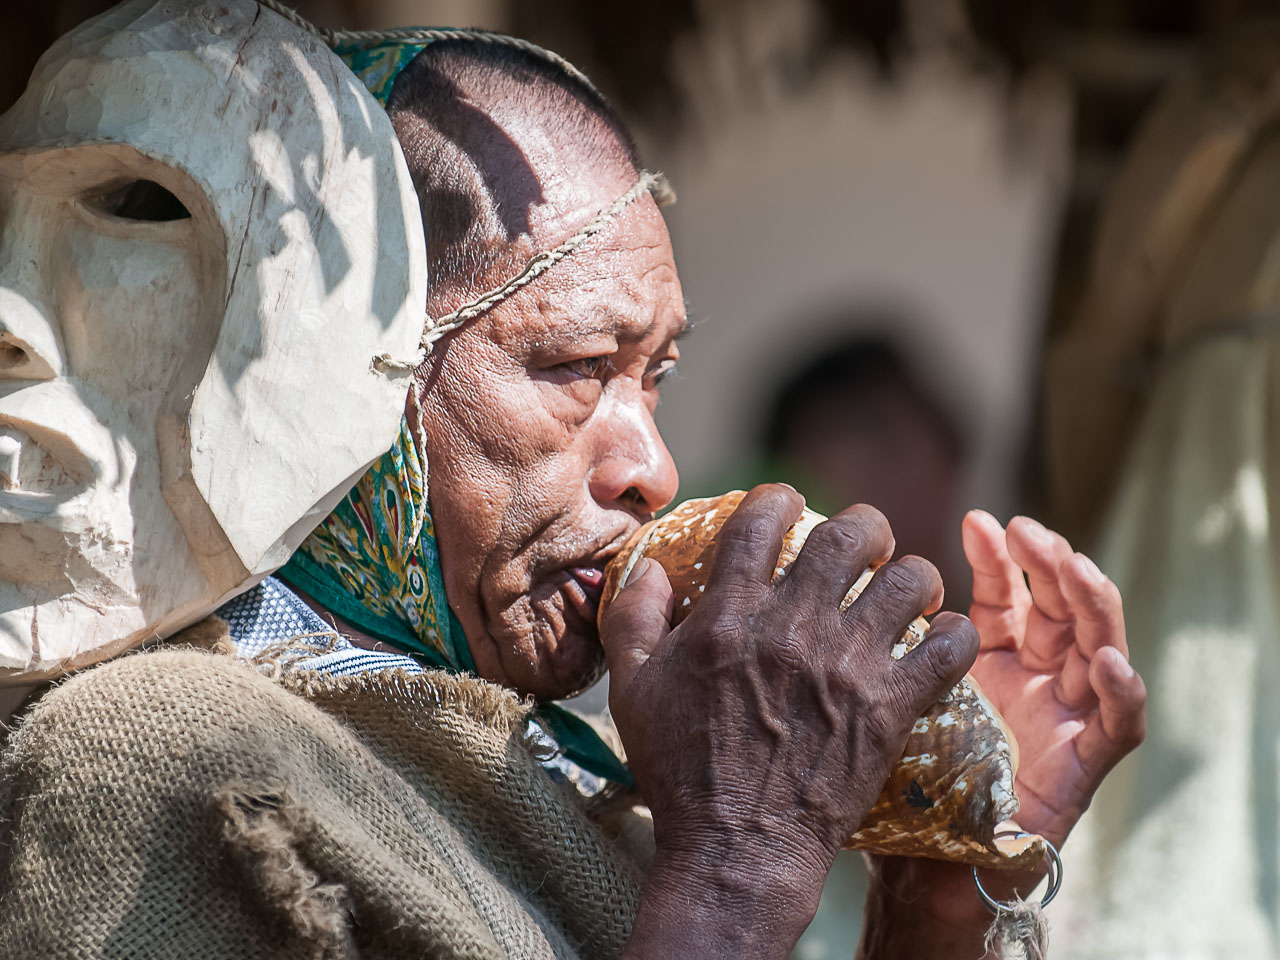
column 436, row 690
column 262, row 826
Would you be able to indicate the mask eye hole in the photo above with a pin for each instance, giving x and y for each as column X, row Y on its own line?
column 143, row 200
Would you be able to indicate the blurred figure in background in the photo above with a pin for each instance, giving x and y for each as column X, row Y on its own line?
column 858, row 423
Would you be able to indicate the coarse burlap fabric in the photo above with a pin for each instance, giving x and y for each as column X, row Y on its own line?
column 180, row 803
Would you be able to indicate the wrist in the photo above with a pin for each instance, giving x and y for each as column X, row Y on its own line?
column 922, row 910
column 725, row 899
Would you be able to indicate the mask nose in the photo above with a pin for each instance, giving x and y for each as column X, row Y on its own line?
column 29, row 343
column 28, row 349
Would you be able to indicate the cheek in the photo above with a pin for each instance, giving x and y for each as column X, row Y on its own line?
column 503, row 462
column 491, row 408
column 128, row 308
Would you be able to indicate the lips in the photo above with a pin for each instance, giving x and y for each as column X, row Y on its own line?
column 583, row 590
column 52, row 449
column 24, row 466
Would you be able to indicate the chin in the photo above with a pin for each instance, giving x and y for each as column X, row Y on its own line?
column 543, row 643
column 583, row 670
column 544, row 654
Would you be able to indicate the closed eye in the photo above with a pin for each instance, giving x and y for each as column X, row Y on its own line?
column 141, row 200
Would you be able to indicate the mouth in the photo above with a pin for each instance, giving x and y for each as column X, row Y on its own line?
column 31, row 473
column 583, row 589
column 52, row 449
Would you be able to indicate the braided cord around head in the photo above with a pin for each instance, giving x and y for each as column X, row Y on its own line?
column 544, row 261
column 539, row 264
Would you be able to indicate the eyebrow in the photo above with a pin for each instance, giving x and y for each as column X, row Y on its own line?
column 624, row 328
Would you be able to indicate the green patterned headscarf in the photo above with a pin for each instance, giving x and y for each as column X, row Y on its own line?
column 374, row 561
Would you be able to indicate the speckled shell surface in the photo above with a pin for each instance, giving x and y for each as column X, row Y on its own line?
column 954, row 784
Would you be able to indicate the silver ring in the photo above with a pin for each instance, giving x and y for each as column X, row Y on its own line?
column 1055, row 876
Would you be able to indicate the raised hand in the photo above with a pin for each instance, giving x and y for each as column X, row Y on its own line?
column 1053, row 661
column 761, row 729
column 1055, row 664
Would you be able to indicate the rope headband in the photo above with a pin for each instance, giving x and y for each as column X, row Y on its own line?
column 652, row 183
column 433, row 329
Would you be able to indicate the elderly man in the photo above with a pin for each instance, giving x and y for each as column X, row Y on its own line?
column 341, row 800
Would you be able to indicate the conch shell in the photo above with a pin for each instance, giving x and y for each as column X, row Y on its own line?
column 954, row 784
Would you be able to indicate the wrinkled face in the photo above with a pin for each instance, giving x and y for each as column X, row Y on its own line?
column 543, row 450
column 191, row 290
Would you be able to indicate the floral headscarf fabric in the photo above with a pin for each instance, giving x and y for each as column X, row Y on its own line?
column 374, row 561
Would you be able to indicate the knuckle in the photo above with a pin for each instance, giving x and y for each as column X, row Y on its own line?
column 886, row 725
column 912, row 577
column 1102, row 602
column 839, row 535
column 861, row 529
column 757, row 530
column 1139, row 733
column 1110, row 598
column 747, row 535
column 945, row 658
column 719, row 635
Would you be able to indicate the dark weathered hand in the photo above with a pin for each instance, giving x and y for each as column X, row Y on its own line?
column 1054, row 663
column 761, row 729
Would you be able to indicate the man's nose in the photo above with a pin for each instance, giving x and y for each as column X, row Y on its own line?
column 635, row 470
column 29, row 342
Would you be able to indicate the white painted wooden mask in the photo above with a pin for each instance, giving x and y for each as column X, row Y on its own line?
column 207, row 233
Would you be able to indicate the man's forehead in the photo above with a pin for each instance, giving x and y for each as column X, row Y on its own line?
column 633, row 305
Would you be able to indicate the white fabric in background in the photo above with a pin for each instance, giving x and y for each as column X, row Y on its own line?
column 1179, row 858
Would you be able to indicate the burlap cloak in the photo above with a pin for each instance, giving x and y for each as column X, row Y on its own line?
column 180, row 803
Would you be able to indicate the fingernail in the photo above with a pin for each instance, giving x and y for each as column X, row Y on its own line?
column 1036, row 530
column 783, row 483
column 1123, row 668
column 1090, row 570
column 638, row 571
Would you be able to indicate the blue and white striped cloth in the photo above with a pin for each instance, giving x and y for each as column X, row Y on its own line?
column 271, row 614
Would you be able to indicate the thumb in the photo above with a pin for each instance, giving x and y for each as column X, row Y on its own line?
column 637, row 620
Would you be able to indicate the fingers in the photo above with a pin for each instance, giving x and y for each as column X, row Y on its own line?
column 637, row 620
column 1122, row 721
column 1040, row 552
column 997, row 580
column 937, row 664
column 897, row 594
column 748, row 544
column 837, row 552
column 1095, row 603
column 1098, row 624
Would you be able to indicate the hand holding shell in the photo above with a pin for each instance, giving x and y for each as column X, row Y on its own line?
column 954, row 783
